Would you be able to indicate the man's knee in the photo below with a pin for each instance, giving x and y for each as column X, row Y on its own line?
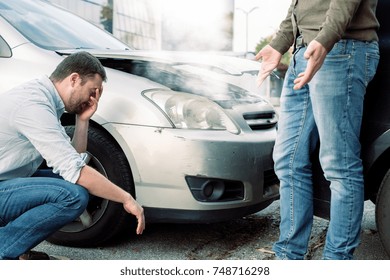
column 77, row 198
column 83, row 197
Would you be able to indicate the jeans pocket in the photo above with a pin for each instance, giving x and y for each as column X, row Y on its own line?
column 372, row 61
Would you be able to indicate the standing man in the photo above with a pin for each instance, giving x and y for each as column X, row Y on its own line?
column 33, row 207
column 335, row 56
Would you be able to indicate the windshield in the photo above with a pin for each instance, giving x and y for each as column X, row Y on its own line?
column 52, row 28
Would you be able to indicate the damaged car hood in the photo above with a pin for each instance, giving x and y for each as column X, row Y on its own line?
column 227, row 80
column 219, row 63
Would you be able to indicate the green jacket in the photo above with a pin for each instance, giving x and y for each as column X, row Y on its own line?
column 327, row 21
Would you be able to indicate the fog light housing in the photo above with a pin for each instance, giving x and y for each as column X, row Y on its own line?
column 215, row 190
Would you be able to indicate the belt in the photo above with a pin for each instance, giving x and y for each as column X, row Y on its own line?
column 300, row 42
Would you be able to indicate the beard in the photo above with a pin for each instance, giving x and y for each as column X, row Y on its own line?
column 75, row 105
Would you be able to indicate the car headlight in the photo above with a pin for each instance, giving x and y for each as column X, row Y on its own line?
column 190, row 111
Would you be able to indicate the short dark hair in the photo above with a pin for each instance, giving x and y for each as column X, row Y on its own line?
column 82, row 63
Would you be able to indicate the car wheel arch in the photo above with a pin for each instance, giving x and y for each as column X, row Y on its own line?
column 69, row 119
column 376, row 159
column 377, row 184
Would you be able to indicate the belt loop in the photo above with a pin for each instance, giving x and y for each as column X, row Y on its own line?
column 299, row 42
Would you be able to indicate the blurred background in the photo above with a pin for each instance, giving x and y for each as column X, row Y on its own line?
column 231, row 27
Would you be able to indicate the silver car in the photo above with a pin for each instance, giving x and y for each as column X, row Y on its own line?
column 187, row 134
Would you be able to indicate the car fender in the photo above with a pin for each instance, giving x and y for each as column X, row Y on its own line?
column 376, row 164
column 377, row 148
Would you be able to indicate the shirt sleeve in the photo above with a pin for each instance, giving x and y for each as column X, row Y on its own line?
column 338, row 17
column 39, row 124
column 284, row 38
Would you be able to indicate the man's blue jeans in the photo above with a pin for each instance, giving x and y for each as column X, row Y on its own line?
column 329, row 109
column 31, row 209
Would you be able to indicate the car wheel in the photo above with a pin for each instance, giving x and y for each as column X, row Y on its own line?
column 382, row 212
column 102, row 219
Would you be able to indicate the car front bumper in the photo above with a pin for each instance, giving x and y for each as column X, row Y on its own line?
column 165, row 163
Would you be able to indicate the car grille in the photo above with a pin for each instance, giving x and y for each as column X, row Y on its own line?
column 260, row 120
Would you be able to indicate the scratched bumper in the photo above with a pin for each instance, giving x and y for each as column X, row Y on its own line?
column 162, row 159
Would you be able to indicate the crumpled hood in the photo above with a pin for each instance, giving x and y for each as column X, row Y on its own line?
column 228, row 64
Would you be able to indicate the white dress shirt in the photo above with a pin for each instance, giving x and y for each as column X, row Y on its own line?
column 30, row 131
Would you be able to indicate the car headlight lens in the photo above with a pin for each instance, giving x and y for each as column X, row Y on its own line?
column 189, row 111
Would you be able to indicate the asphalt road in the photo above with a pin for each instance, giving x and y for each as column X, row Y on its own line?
column 249, row 238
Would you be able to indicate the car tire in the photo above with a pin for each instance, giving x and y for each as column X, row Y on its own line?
column 104, row 219
column 382, row 212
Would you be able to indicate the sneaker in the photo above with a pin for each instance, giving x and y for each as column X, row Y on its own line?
column 36, row 255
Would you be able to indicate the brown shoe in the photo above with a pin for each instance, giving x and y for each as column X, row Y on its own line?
column 36, row 255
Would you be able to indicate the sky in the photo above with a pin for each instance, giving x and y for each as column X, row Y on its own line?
column 264, row 18
column 196, row 24
column 262, row 21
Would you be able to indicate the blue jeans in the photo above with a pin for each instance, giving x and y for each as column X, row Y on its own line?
column 31, row 209
column 329, row 109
